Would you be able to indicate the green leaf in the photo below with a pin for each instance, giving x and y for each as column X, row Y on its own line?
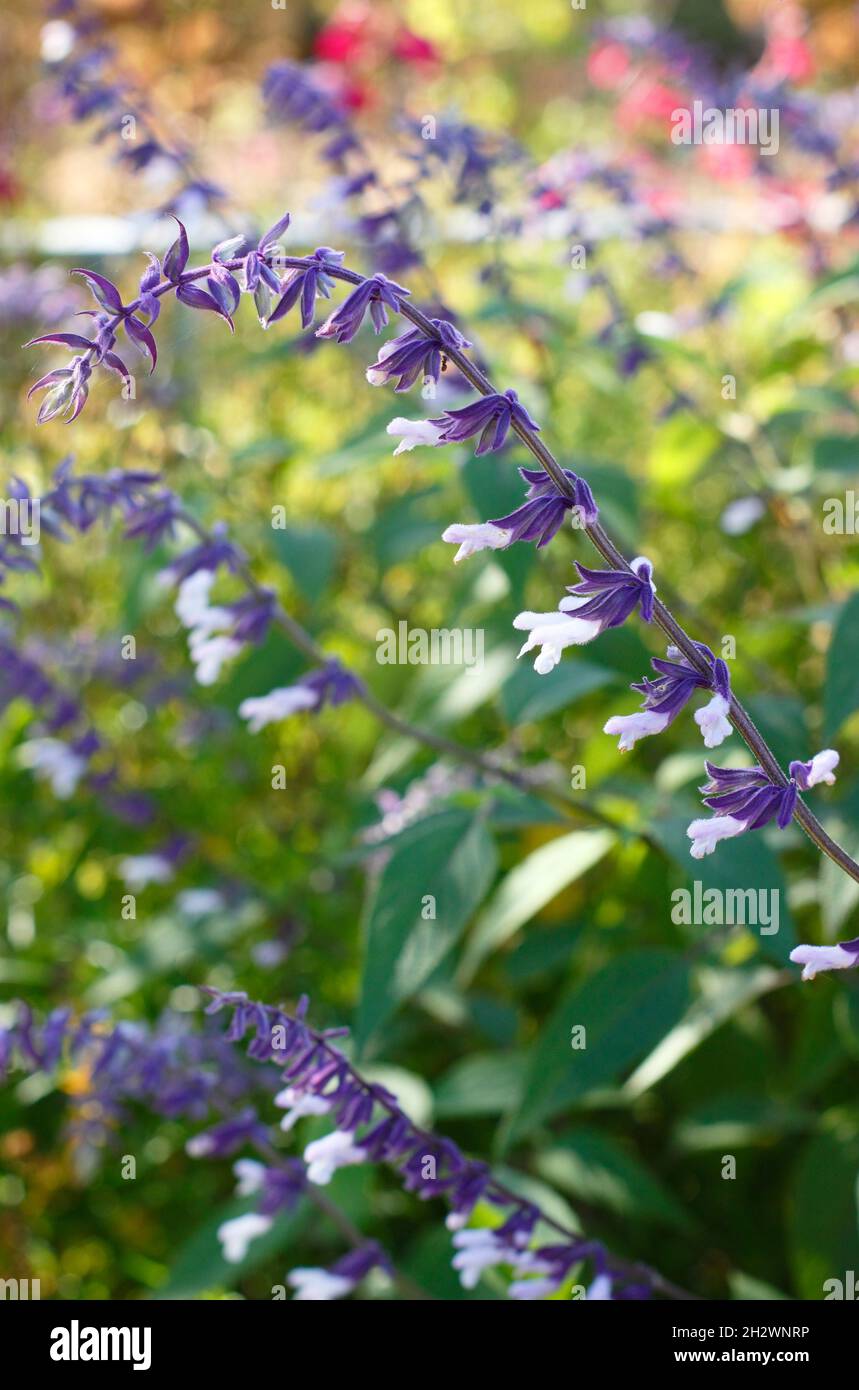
column 781, row 720
column 744, row 1288
column 681, row 445
column 737, row 865
column 544, row 951
column 526, row 696
column 199, row 1264
column 527, row 888
column 489, row 1083
column 838, row 893
column 405, row 528
column 625, row 1009
column 309, row 553
column 824, row 1239
column 494, row 491
column 721, row 994
column 448, row 857
column 841, row 694
column 739, row 1119
column 369, row 441
column 273, row 663
column 512, row 808
column 837, row 453
column 597, row 1170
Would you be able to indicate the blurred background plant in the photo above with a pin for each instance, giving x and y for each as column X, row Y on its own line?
column 681, row 320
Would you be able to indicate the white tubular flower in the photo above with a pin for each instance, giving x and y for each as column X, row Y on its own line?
column 631, row 727
column 823, row 767
column 478, row 1250
column 528, row 1290
column 471, row 539
column 139, row 870
column 278, row 704
column 414, row 432
column 53, row 761
column 299, row 1104
column 552, row 632
column 531, row 1289
column 706, row 834
column 209, row 654
column 250, row 1174
column 377, row 378
column 198, row 902
column 318, row 1285
column 192, row 600
column 208, row 651
column 236, row 1235
column 712, row 721
column 606, row 598
column 843, row 956
column 324, row 1156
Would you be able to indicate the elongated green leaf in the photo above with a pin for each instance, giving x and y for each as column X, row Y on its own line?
column 736, row 866
column 738, row 1120
column 527, row 696
column 487, row 1084
column 618, row 1014
column 721, row 994
column 436, row 877
column 841, row 694
column 529, row 887
column 781, row 720
column 310, row 554
column 825, row 1242
column 596, row 1169
column 838, row 893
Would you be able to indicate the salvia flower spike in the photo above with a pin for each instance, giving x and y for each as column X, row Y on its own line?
column 603, row 599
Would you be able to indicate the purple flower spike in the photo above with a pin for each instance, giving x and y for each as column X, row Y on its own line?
column 541, row 514
column 292, row 95
column 746, row 799
column 613, row 594
column 104, row 291
column 331, row 684
column 666, row 697
column 153, row 521
column 324, row 1285
column 743, row 799
column 490, row 417
column 228, row 1136
column 305, row 283
column 209, row 555
column 373, row 294
column 261, row 278
column 538, row 519
column 821, row 768
column 196, row 298
column 413, row 355
column 603, row 599
column 253, row 615
column 176, row 258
